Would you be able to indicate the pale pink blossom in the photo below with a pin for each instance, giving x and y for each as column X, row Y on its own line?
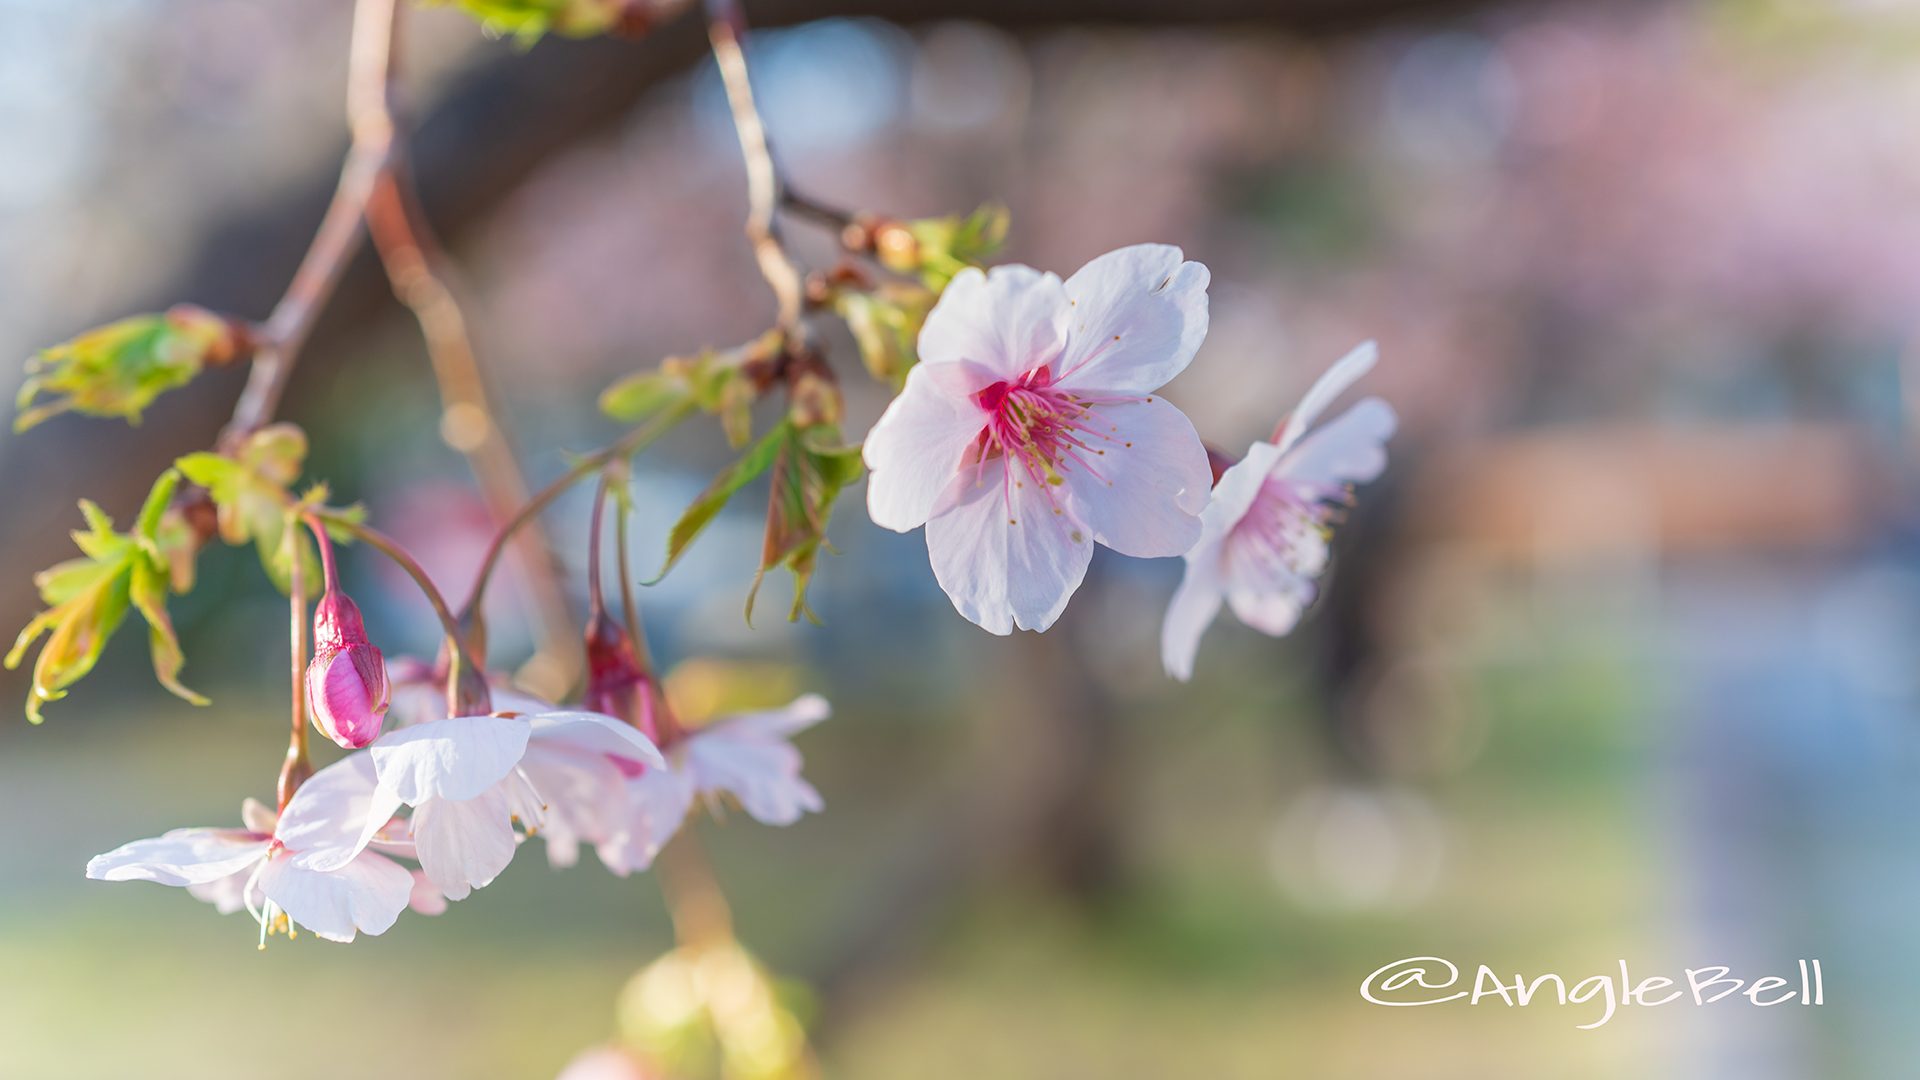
column 308, row 867
column 1031, row 430
column 469, row 779
column 1265, row 531
column 748, row 757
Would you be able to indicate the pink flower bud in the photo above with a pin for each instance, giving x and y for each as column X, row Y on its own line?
column 618, row 684
column 347, row 680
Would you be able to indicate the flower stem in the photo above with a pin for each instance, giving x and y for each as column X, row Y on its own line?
column 627, row 446
column 298, row 765
column 466, row 678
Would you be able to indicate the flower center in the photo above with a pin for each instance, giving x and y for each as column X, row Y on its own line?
column 1040, row 427
column 1290, row 523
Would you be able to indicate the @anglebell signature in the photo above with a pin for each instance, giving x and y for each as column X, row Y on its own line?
column 1433, row 980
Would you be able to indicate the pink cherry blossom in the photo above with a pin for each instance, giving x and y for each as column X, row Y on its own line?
column 1264, row 533
column 469, row 779
column 1030, row 430
column 749, row 756
column 273, row 867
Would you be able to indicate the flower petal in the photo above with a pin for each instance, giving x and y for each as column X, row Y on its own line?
column 425, row 897
column 1152, row 480
column 456, row 758
column 763, row 773
column 916, row 447
column 596, row 733
column 227, row 894
column 1139, row 315
column 1233, row 496
column 1350, row 449
column 1192, row 610
column 1008, row 320
column 796, row 716
column 330, row 812
column 1004, row 553
column 366, row 895
column 464, row 844
column 181, row 857
column 1268, row 593
column 657, row 804
column 1344, row 373
column 586, row 797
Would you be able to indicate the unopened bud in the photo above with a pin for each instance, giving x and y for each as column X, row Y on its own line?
column 618, row 684
column 347, row 679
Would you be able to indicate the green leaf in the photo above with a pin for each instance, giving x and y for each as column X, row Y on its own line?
column 701, row 512
column 646, row 394
column 938, row 248
column 120, row 368
column 529, row 20
column 249, row 487
column 886, row 326
column 87, row 600
column 811, row 470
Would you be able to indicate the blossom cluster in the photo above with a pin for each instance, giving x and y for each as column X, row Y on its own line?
column 1032, row 429
column 458, row 795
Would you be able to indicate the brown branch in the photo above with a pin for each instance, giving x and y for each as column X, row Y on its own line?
column 417, row 268
column 727, row 31
column 369, row 70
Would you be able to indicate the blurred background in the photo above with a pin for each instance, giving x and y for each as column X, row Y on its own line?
column 1615, row 662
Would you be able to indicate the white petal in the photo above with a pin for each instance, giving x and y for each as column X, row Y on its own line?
column 1350, row 449
column 1191, row 611
column 1265, row 592
column 181, row 857
column 586, row 798
column 1008, row 320
column 425, row 897
column 798, row 715
column 915, row 448
column 657, row 804
column 463, row 845
column 456, row 758
column 325, row 821
column 1344, row 373
column 1150, row 479
column 366, row 895
column 596, row 733
column 1005, row 553
column 227, row 894
column 1233, row 496
column 763, row 773
column 1139, row 315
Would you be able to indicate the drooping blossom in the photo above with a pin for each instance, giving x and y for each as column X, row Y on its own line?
column 1265, row 531
column 1031, row 430
column 748, row 756
column 470, row 778
column 346, row 679
column 579, row 771
column 307, row 867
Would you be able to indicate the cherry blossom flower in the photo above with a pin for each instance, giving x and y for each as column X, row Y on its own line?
column 1265, row 531
column 748, row 756
column 1030, row 430
column 469, row 779
column 308, row 867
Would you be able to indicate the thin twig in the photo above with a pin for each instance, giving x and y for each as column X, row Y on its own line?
column 727, row 30
column 417, row 267
column 287, row 328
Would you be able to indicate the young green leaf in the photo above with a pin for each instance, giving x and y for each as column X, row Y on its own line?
column 120, row 368
column 885, row 323
column 88, row 598
column 811, row 469
column 703, row 509
column 249, row 488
